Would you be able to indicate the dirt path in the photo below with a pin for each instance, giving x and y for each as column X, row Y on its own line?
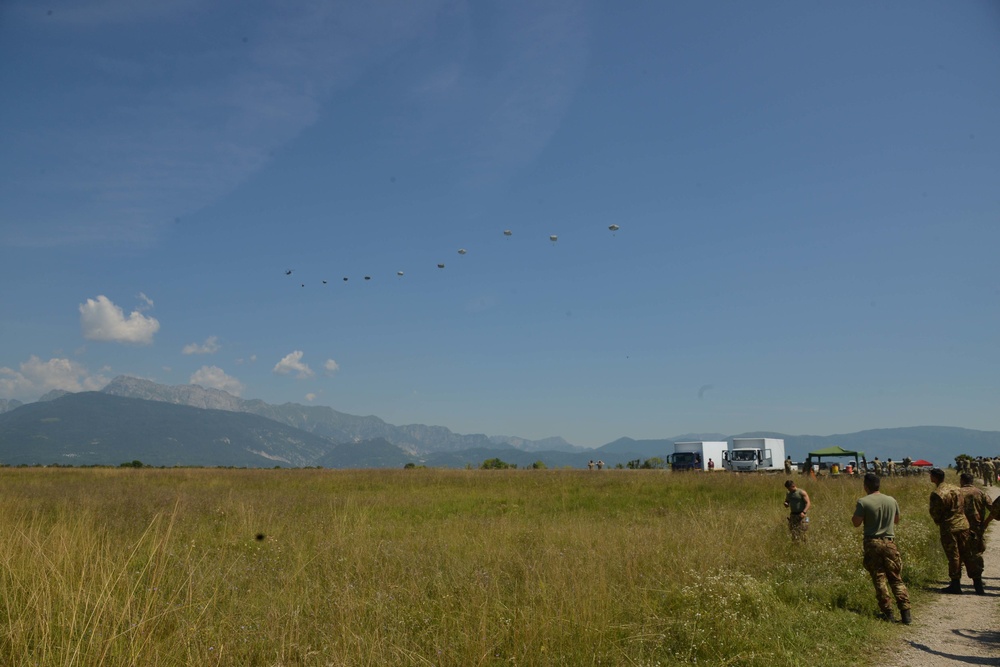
column 957, row 629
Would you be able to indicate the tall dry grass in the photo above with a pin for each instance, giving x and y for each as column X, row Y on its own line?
column 435, row 567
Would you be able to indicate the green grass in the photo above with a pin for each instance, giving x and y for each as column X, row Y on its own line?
column 434, row 567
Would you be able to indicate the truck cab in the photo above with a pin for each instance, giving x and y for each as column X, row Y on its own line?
column 754, row 454
column 749, row 460
column 685, row 461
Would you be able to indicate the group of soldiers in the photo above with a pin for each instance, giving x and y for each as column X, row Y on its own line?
column 984, row 467
column 962, row 514
column 889, row 468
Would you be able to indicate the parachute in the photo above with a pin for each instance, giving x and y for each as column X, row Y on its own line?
column 507, row 232
column 368, row 277
column 399, row 273
column 461, row 251
column 553, row 238
column 614, row 228
column 440, row 266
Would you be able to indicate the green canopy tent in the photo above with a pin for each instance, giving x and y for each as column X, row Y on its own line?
column 834, row 452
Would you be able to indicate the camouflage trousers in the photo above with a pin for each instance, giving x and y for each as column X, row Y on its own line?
column 962, row 547
column 884, row 564
column 798, row 525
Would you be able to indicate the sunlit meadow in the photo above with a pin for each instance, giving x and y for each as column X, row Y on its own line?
column 439, row 567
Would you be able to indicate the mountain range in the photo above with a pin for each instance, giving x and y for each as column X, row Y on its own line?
column 134, row 419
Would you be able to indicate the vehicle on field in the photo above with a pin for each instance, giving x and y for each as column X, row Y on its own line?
column 695, row 455
column 755, row 454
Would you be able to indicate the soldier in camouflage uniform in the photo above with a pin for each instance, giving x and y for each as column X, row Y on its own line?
column 947, row 508
column 798, row 503
column 989, row 472
column 977, row 508
column 891, row 468
column 880, row 513
column 788, row 465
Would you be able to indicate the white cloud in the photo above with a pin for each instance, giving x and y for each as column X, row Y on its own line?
column 310, row 397
column 100, row 319
column 35, row 377
column 292, row 363
column 331, row 367
column 210, row 346
column 214, row 377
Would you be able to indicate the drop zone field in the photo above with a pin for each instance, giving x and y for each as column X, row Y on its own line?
column 439, row 567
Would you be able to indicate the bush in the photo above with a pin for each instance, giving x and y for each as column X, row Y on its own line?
column 496, row 464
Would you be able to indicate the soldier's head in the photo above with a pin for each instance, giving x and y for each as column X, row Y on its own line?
column 966, row 479
column 872, row 482
column 790, row 485
column 937, row 475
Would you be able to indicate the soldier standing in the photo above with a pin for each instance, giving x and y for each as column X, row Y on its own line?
column 798, row 503
column 880, row 513
column 892, row 468
column 947, row 509
column 989, row 472
column 788, row 465
column 977, row 509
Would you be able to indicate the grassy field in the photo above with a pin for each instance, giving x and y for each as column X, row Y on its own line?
column 438, row 567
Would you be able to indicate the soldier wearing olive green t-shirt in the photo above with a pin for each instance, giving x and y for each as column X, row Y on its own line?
column 880, row 513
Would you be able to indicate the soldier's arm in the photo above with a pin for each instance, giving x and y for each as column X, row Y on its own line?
column 937, row 508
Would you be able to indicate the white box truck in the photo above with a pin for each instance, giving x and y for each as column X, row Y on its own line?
column 755, row 454
column 695, row 455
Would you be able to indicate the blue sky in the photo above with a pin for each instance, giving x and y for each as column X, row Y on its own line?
column 808, row 202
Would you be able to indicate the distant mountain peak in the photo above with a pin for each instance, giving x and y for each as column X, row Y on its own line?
column 186, row 394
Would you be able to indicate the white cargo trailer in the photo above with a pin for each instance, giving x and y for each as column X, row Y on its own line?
column 753, row 454
column 695, row 455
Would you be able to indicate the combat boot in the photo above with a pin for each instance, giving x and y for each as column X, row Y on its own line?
column 954, row 588
column 904, row 615
column 886, row 616
column 978, row 583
